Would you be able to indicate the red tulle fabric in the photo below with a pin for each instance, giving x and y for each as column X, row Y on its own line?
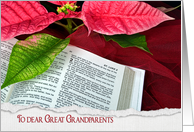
column 162, row 86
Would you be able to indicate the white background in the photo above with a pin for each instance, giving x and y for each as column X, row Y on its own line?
column 129, row 123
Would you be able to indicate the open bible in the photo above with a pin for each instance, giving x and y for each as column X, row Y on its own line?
column 76, row 77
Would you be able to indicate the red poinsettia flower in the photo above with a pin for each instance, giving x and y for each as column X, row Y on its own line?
column 121, row 17
column 24, row 17
column 105, row 17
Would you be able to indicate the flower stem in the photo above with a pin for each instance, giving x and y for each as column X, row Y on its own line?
column 78, row 27
column 68, row 27
column 173, row 8
column 69, row 22
column 65, row 26
column 74, row 23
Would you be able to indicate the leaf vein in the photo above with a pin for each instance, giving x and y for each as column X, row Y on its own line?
column 35, row 59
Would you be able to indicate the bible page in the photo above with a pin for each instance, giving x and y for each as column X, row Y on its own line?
column 137, row 90
column 6, row 48
column 90, row 81
column 76, row 77
column 43, row 89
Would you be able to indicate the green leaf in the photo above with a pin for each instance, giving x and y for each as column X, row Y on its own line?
column 32, row 57
column 125, row 41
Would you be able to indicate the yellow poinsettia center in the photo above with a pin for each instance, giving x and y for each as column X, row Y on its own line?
column 66, row 7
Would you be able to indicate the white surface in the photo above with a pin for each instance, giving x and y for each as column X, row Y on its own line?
column 130, row 123
column 186, row 88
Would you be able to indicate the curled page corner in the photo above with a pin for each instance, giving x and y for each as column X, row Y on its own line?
column 95, row 112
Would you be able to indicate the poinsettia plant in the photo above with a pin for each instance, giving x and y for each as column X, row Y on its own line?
column 119, row 21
